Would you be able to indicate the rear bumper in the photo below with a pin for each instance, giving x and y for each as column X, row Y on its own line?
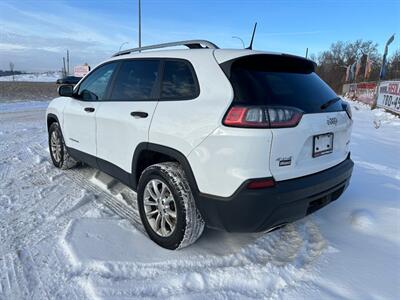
column 289, row 200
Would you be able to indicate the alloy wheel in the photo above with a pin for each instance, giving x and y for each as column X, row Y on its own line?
column 55, row 146
column 160, row 207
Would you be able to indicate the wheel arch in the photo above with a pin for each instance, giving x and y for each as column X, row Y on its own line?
column 51, row 118
column 142, row 158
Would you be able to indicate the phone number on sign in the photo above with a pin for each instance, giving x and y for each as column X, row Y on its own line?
column 391, row 101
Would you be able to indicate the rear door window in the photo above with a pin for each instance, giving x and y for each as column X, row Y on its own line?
column 179, row 81
column 276, row 80
column 136, row 80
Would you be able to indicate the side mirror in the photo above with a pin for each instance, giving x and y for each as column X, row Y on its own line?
column 66, row 90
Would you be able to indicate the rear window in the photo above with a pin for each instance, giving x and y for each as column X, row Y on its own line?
column 179, row 82
column 280, row 80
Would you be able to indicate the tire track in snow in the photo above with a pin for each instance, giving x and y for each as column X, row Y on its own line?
column 84, row 181
column 4, row 170
column 112, row 202
column 33, row 283
column 10, row 278
column 379, row 169
column 32, row 192
column 28, row 223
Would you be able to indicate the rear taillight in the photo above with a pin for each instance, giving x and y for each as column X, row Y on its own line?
column 284, row 116
column 239, row 116
column 346, row 106
column 263, row 117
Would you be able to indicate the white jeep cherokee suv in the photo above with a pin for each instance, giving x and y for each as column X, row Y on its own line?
column 238, row 140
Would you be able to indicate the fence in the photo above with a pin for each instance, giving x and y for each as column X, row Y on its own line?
column 364, row 92
column 385, row 94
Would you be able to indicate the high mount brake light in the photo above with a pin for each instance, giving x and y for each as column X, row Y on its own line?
column 263, row 117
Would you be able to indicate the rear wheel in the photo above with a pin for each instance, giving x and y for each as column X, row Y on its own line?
column 58, row 151
column 167, row 208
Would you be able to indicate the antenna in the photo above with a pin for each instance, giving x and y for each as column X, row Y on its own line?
column 250, row 47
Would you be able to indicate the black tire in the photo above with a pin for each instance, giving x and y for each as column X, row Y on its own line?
column 65, row 160
column 189, row 224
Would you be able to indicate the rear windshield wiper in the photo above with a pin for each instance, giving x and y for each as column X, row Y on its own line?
column 329, row 103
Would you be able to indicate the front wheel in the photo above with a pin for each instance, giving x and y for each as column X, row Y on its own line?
column 167, row 207
column 58, row 151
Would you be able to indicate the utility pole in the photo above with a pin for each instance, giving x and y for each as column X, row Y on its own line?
column 306, row 52
column 140, row 26
column 64, row 69
column 67, row 62
column 12, row 70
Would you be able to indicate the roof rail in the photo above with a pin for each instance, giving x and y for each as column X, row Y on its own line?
column 191, row 44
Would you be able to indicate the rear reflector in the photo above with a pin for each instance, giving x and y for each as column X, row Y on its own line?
column 261, row 183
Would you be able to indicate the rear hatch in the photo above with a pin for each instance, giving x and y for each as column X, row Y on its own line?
column 284, row 85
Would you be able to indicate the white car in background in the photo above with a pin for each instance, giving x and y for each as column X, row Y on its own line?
column 238, row 140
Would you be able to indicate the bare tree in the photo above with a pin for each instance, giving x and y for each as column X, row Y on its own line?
column 332, row 63
column 393, row 67
column 12, row 70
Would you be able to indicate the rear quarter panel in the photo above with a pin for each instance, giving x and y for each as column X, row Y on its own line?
column 184, row 124
column 230, row 156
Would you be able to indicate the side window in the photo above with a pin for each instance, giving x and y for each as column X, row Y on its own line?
column 136, row 80
column 178, row 81
column 95, row 85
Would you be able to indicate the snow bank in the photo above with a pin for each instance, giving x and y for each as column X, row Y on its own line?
column 16, row 106
column 35, row 77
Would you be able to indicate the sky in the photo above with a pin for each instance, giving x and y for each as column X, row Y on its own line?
column 35, row 35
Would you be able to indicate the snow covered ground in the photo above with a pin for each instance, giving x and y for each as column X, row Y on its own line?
column 76, row 235
column 37, row 77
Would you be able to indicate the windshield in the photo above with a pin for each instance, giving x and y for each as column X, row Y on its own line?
column 284, row 81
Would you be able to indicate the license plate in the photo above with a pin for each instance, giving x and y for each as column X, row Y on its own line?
column 323, row 144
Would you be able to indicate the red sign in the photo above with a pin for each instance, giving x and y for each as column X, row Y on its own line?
column 394, row 89
column 366, row 92
column 81, row 71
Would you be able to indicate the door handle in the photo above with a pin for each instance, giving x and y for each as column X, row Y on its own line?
column 89, row 109
column 139, row 114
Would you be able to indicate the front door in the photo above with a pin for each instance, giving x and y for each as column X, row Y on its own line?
column 79, row 127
